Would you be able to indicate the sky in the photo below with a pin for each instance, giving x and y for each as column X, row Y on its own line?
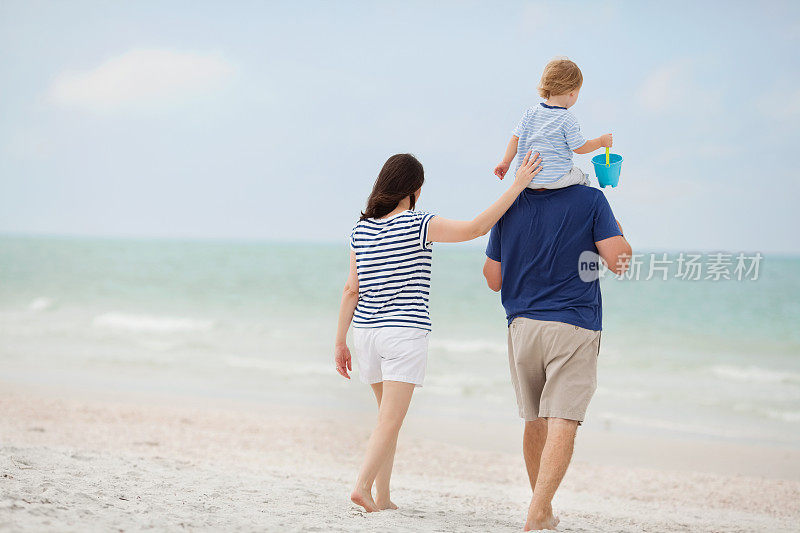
column 270, row 121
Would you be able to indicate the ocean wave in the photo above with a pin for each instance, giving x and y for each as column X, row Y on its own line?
column 470, row 346
column 40, row 304
column 281, row 368
column 769, row 412
column 785, row 416
column 754, row 374
column 624, row 394
column 679, row 427
column 159, row 345
column 158, row 324
column 486, row 387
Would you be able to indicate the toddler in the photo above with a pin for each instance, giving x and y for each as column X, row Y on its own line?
column 551, row 130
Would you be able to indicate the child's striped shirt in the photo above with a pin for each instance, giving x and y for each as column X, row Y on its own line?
column 554, row 133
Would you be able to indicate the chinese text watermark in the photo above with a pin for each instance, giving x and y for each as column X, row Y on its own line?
column 717, row 266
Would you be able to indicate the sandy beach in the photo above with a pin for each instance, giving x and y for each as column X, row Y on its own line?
column 84, row 461
column 202, row 202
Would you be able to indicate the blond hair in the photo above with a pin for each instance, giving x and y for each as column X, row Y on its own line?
column 560, row 76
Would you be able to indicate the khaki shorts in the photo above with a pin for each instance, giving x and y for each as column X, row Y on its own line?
column 553, row 368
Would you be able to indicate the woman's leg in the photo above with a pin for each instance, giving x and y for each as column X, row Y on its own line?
column 395, row 399
column 382, row 499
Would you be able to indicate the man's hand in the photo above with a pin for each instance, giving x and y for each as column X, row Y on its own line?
column 501, row 169
column 343, row 360
column 493, row 274
column 606, row 140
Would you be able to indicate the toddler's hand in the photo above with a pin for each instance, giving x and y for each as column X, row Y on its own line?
column 607, row 140
column 501, row 169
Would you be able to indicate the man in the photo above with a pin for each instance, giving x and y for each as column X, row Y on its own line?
column 541, row 255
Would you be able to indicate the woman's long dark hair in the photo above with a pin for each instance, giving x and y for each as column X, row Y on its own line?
column 400, row 177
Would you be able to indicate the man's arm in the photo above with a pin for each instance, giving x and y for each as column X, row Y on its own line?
column 615, row 253
column 493, row 274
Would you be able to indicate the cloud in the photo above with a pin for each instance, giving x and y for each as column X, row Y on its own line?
column 793, row 104
column 144, row 78
column 547, row 17
column 27, row 143
column 660, row 90
column 789, row 108
column 648, row 189
column 671, row 86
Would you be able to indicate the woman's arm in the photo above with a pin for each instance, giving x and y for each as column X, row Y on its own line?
column 445, row 230
column 346, row 310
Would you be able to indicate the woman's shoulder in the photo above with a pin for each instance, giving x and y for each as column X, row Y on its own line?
column 411, row 216
column 420, row 215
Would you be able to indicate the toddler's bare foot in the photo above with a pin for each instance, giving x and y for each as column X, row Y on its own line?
column 364, row 499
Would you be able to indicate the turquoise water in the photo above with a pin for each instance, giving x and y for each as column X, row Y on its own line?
column 255, row 320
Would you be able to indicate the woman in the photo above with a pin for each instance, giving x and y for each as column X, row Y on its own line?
column 386, row 298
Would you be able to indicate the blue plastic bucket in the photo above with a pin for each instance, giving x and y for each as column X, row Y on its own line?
column 607, row 175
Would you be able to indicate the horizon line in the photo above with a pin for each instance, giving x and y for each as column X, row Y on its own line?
column 477, row 243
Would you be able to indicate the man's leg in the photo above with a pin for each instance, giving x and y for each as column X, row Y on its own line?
column 555, row 460
column 532, row 444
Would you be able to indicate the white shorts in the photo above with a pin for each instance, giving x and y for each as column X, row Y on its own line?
column 391, row 354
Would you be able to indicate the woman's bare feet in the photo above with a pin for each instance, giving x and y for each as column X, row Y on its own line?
column 383, row 505
column 364, row 499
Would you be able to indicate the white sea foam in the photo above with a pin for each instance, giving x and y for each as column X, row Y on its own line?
column 487, row 387
column 469, row 346
column 668, row 425
column 159, row 345
column 624, row 394
column 786, row 416
column 157, row 324
column 40, row 304
column 754, row 374
column 281, row 368
column 769, row 412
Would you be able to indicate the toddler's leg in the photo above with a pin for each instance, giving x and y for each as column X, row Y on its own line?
column 574, row 177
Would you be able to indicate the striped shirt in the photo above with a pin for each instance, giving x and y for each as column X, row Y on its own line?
column 552, row 131
column 393, row 260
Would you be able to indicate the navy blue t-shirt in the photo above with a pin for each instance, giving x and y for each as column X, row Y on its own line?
column 538, row 242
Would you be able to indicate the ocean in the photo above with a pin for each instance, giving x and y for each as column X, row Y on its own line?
column 256, row 321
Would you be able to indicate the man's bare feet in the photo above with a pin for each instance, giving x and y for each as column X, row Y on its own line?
column 546, row 523
column 539, row 519
column 383, row 505
column 364, row 499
